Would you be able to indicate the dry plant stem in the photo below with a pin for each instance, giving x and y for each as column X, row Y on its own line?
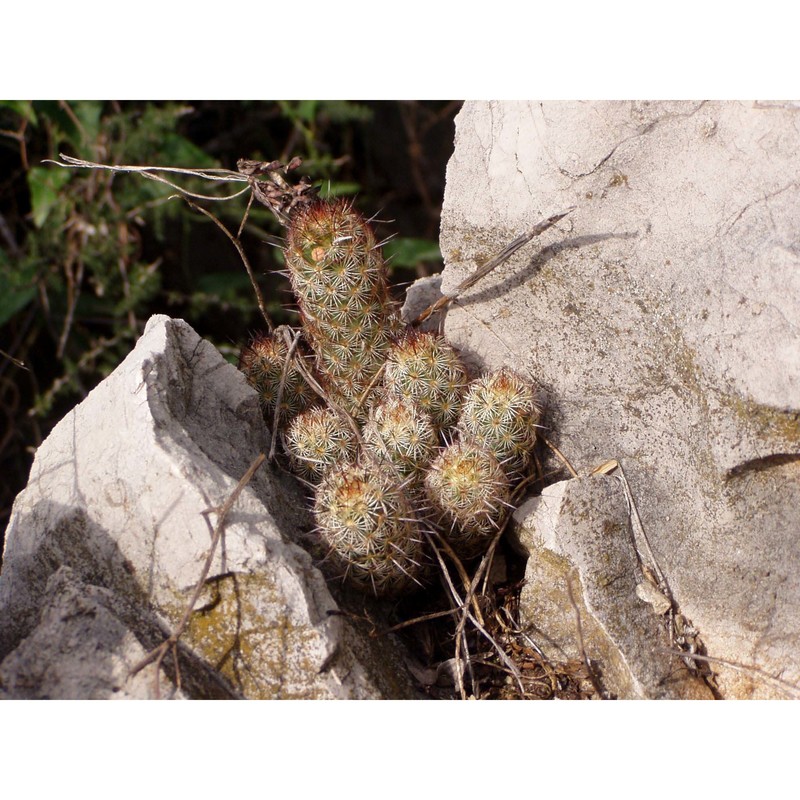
column 470, row 598
column 15, row 361
column 315, row 386
column 157, row 655
column 238, row 245
column 279, row 394
column 461, row 631
column 640, row 537
column 456, row 599
column 560, row 456
column 486, row 561
column 424, row 618
column 493, row 263
column 245, row 216
column 462, row 573
column 73, row 294
column 218, row 175
column 789, row 688
column 512, row 667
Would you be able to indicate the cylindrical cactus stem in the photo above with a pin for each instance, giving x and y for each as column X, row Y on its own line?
column 362, row 520
column 318, row 439
column 424, row 369
column 501, row 411
column 340, row 281
column 469, row 490
column 400, row 433
column 263, row 362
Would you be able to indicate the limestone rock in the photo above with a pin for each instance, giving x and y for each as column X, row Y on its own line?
column 87, row 643
column 582, row 566
column 122, row 492
column 661, row 320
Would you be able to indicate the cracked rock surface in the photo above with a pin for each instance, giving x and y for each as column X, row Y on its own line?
column 108, row 539
column 661, row 319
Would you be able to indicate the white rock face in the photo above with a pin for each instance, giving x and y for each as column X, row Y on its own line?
column 583, row 564
column 662, row 321
column 120, row 493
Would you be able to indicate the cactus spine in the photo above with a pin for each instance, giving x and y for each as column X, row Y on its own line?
column 401, row 433
column 318, row 439
column 423, row 369
column 406, row 392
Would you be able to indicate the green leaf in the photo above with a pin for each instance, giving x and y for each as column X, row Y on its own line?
column 408, row 252
column 344, row 111
column 66, row 130
column 331, row 189
column 307, row 110
column 17, row 289
column 177, row 150
column 45, row 183
column 225, row 285
column 88, row 114
column 22, row 107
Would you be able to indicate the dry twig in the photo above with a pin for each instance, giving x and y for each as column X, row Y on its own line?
column 170, row 643
column 493, row 263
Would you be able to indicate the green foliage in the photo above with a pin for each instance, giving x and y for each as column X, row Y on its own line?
column 17, row 288
column 45, row 185
column 410, row 252
column 86, row 256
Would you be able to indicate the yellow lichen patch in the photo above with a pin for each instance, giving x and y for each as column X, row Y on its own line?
column 247, row 633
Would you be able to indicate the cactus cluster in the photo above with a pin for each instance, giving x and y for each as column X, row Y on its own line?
column 407, row 445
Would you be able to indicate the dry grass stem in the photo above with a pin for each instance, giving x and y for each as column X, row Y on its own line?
column 151, row 173
column 789, row 689
column 157, row 654
column 281, row 388
column 561, row 457
column 238, row 245
column 503, row 256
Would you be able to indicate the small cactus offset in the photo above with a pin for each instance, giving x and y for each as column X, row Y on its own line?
column 262, row 362
column 423, row 369
column 470, row 492
column 363, row 519
column 318, row 439
column 401, row 433
column 501, row 411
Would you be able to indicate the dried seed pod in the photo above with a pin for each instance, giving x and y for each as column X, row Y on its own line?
column 262, row 362
column 500, row 410
column 317, row 439
column 362, row 520
column 424, row 369
column 401, row 433
column 469, row 489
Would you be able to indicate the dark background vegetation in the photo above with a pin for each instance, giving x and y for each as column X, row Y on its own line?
column 87, row 256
